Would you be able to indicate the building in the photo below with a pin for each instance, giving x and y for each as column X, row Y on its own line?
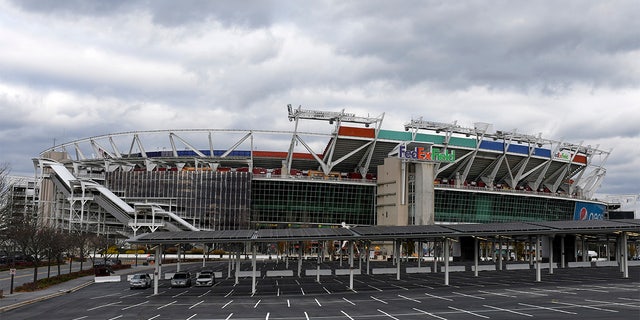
column 357, row 174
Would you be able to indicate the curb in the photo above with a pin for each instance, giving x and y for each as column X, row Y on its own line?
column 47, row 297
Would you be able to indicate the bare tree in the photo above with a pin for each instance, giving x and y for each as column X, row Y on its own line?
column 32, row 239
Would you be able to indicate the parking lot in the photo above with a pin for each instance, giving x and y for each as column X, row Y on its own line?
column 586, row 293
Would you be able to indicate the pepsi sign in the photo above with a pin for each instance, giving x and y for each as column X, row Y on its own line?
column 588, row 211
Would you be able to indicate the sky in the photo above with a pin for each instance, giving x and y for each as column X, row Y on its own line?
column 570, row 70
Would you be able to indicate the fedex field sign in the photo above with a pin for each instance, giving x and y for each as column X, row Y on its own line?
column 424, row 154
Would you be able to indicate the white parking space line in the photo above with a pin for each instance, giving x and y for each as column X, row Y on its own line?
column 306, row 315
column 267, row 317
column 204, row 294
column 104, row 305
column 135, row 305
column 429, row 314
column 166, row 305
column 229, row 316
column 302, row 291
column 118, row 317
column 376, row 299
column 557, row 291
column 257, row 303
column 226, row 304
column 467, row 295
column 546, row 308
column 388, row 315
column 443, row 298
column 375, row 287
column 403, row 288
column 151, row 295
column 528, row 292
column 288, row 304
column 179, row 294
column 318, row 302
column 154, row 317
column 469, row 312
column 614, row 303
column 193, row 316
column 345, row 299
column 327, row 290
column 80, row 318
column 130, row 295
column 105, row 296
column 507, row 310
column 230, row 292
column 583, row 306
column 496, row 294
column 193, row 306
column 346, row 315
column 616, row 288
column 410, row 299
column 629, row 299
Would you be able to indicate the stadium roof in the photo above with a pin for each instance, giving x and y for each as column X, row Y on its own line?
column 394, row 232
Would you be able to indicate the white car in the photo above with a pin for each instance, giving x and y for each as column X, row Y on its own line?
column 205, row 279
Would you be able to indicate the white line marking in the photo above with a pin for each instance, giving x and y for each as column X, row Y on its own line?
column 346, row 315
column 318, row 302
column 195, row 314
column 430, row 295
column 154, row 317
column 375, row 287
column 469, row 312
column 200, row 296
column 467, row 295
column 278, row 292
column 230, row 292
column 80, row 318
column 497, row 294
column 255, row 305
column 549, row 290
column 130, row 295
column 431, row 314
column 120, row 316
column 374, row 298
column 345, row 299
column 403, row 288
column 545, row 308
column 615, row 288
column 297, row 282
column 527, row 292
column 229, row 317
column 302, row 291
column 105, row 305
column 181, row 293
column 388, row 315
column 196, row 304
column 306, row 315
column 410, row 299
column 135, row 305
column 108, row 295
column 288, row 304
column 616, row 303
column 629, row 299
column 327, row 290
column 166, row 305
column 507, row 310
column 267, row 317
column 583, row 306
column 226, row 304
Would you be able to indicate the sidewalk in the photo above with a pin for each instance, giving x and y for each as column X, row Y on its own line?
column 20, row 299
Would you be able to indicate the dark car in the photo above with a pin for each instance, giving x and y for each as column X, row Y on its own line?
column 181, row 279
column 140, row 280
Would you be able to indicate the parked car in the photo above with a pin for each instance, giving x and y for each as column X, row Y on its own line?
column 140, row 280
column 181, row 279
column 205, row 279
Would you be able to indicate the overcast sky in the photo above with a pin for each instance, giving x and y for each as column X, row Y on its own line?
column 74, row 69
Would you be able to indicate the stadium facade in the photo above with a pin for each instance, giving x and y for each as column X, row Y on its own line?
column 357, row 174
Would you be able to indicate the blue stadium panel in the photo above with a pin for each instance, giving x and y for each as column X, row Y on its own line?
column 516, row 148
column 492, row 145
column 542, row 152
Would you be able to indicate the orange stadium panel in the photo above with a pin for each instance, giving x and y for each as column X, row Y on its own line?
column 580, row 159
column 357, row 132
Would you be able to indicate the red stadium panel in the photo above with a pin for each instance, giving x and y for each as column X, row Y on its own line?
column 357, row 132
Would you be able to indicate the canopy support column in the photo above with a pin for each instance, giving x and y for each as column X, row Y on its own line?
column 253, row 263
column 551, row 254
column 475, row 256
column 446, row 261
column 537, row 257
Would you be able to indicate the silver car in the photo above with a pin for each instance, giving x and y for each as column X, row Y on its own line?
column 181, row 279
column 140, row 280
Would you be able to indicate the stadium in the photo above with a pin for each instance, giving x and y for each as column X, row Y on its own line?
column 357, row 174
